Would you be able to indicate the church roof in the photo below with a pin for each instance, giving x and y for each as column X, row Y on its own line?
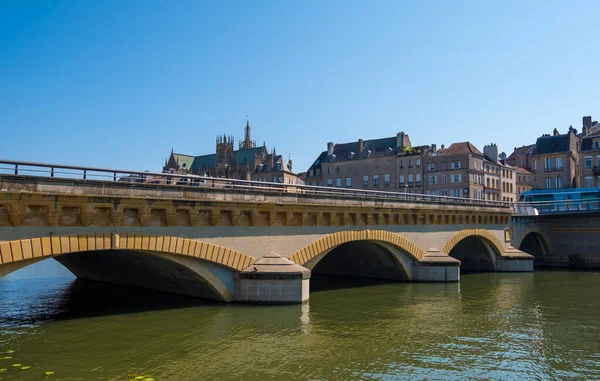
column 197, row 163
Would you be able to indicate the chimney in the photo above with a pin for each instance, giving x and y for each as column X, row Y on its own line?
column 329, row 148
column 361, row 145
column 433, row 147
column 587, row 122
column 400, row 140
column 555, row 132
column 491, row 152
column 443, row 146
column 594, row 123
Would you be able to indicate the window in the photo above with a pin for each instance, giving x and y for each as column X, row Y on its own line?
column 432, row 166
column 456, row 178
column 444, row 179
column 444, row 192
column 418, row 179
column 338, row 182
column 348, row 182
column 365, row 167
column 535, row 165
column 386, row 180
column 376, row 181
column 558, row 163
column 418, row 162
column 337, row 169
column 598, row 161
column 329, row 182
column 596, row 144
column 456, row 164
column 401, row 163
column 275, row 179
column 456, row 193
column 548, row 164
column 318, row 172
column 432, row 179
column 410, row 164
column 401, row 182
column 410, row 180
column 386, row 165
column 588, row 162
column 548, row 183
column 365, row 181
column 474, row 179
column 329, row 170
column 559, row 182
column 589, row 181
column 311, row 173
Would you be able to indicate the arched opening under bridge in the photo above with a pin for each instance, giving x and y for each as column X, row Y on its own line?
column 534, row 244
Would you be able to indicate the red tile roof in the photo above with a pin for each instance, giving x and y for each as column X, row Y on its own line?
column 460, row 148
column 522, row 171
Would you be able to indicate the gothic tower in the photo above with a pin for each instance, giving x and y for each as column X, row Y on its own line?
column 224, row 158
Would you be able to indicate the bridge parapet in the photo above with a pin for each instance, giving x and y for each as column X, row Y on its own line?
column 30, row 201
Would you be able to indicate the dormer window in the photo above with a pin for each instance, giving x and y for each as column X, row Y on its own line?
column 597, row 144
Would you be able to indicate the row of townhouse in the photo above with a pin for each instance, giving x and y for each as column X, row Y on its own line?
column 393, row 164
column 570, row 160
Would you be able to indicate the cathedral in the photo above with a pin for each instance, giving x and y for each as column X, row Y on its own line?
column 248, row 162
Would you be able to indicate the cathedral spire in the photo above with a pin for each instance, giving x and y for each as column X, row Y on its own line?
column 247, row 143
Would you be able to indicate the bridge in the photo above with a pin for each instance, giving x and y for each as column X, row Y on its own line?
column 560, row 237
column 232, row 240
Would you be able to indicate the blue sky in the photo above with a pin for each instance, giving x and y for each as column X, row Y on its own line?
column 120, row 83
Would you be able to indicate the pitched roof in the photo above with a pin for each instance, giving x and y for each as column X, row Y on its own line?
column 551, row 144
column 586, row 142
column 378, row 147
column 522, row 171
column 244, row 156
column 205, row 161
column 184, row 161
column 460, row 148
column 521, row 151
column 319, row 160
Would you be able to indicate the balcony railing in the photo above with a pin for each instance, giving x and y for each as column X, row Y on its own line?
column 56, row 172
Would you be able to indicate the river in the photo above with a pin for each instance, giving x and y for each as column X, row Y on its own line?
column 542, row 325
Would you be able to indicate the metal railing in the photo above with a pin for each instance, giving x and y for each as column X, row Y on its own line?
column 556, row 207
column 72, row 172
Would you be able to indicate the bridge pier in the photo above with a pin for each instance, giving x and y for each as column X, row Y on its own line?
column 514, row 260
column 436, row 266
column 273, row 279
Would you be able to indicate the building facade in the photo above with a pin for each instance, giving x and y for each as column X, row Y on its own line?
column 521, row 157
column 524, row 181
column 589, row 160
column 455, row 171
column 248, row 162
column 393, row 164
column 386, row 164
column 556, row 161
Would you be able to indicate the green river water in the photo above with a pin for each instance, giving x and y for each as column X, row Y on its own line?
column 537, row 326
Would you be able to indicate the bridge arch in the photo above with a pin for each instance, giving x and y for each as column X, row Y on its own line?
column 477, row 249
column 535, row 243
column 164, row 263
column 390, row 256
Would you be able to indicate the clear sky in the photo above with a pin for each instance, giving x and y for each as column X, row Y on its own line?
column 120, row 83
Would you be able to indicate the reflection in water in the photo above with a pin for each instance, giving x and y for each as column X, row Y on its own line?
column 491, row 326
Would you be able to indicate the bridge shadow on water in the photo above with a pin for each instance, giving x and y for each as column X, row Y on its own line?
column 319, row 282
column 29, row 302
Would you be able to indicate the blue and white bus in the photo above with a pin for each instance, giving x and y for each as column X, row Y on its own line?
column 562, row 200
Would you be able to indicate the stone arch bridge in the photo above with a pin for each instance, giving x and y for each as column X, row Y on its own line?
column 211, row 241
